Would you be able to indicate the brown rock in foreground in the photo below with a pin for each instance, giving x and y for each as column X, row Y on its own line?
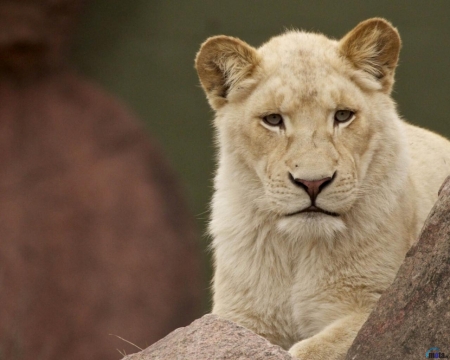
column 413, row 315
column 210, row 338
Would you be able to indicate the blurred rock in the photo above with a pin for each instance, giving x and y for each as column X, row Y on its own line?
column 212, row 338
column 95, row 237
column 413, row 315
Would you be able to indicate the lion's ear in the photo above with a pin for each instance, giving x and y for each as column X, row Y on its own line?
column 222, row 64
column 373, row 46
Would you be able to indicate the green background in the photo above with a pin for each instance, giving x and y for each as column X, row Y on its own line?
column 143, row 51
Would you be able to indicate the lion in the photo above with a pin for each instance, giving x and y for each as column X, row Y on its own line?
column 321, row 188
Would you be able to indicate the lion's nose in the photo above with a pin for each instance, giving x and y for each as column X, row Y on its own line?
column 312, row 187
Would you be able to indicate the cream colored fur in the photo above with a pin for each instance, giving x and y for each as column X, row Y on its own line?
column 308, row 281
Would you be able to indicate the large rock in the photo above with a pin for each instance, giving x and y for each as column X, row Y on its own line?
column 212, row 338
column 413, row 315
column 95, row 236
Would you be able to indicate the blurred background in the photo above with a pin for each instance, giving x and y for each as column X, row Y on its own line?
column 107, row 156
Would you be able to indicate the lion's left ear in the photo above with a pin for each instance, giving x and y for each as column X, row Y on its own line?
column 373, row 46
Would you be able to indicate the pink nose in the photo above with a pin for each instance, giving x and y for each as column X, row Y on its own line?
column 312, row 187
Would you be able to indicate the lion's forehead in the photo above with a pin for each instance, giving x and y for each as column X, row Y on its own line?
column 291, row 95
column 304, row 72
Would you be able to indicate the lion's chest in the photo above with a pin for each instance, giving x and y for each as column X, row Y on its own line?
column 260, row 302
column 267, row 292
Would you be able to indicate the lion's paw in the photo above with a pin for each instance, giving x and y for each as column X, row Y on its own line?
column 313, row 349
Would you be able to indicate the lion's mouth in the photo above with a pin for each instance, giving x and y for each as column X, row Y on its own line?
column 313, row 209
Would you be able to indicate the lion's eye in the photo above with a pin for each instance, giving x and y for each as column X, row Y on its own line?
column 273, row 120
column 343, row 115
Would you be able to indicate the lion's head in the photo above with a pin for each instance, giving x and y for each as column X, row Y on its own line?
column 306, row 120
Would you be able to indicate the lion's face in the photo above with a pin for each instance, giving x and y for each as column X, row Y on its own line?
column 305, row 123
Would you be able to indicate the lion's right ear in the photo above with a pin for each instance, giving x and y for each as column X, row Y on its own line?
column 223, row 64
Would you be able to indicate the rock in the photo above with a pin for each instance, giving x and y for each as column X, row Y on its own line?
column 95, row 236
column 413, row 315
column 211, row 337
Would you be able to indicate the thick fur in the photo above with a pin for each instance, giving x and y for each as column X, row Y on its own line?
column 308, row 281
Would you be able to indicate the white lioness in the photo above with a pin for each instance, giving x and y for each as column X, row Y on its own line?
column 321, row 188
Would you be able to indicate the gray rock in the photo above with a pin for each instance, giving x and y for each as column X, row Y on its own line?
column 211, row 337
column 413, row 315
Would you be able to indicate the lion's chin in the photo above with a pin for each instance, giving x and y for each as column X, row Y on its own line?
column 313, row 210
column 311, row 225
